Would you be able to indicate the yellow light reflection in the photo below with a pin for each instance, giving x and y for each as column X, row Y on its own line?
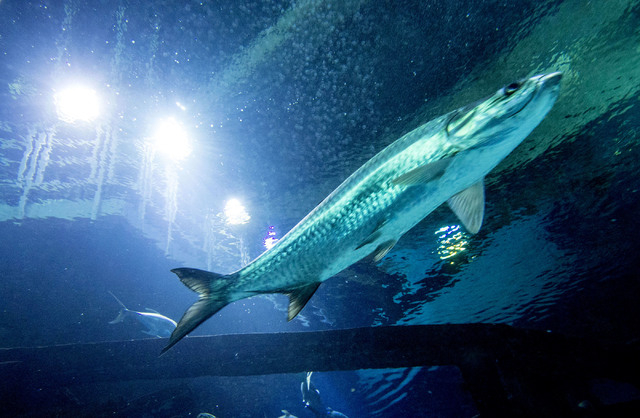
column 452, row 241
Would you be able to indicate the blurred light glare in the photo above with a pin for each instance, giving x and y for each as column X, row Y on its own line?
column 171, row 139
column 270, row 242
column 271, row 239
column 236, row 213
column 77, row 103
column 452, row 241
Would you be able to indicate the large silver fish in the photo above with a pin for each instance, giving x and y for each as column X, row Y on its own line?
column 444, row 160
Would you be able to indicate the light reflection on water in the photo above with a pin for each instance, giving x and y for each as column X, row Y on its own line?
column 510, row 273
column 451, row 241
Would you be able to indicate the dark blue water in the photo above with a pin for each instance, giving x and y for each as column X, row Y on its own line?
column 281, row 101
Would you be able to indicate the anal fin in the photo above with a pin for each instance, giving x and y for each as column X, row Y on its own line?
column 468, row 205
column 299, row 297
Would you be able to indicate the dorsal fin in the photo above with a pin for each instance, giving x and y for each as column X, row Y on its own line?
column 468, row 205
column 299, row 297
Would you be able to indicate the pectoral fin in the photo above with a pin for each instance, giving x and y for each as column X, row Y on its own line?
column 370, row 239
column 423, row 174
column 383, row 249
column 377, row 233
column 468, row 205
column 299, row 297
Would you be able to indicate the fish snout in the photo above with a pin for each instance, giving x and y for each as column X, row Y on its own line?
column 552, row 80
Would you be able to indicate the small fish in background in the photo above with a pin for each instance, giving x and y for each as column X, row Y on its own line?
column 312, row 402
column 157, row 325
column 287, row 414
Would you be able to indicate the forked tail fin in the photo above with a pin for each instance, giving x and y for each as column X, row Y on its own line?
column 121, row 316
column 123, row 312
column 117, row 300
column 214, row 295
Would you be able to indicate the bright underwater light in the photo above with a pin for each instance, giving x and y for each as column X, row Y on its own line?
column 236, row 213
column 77, row 103
column 171, row 139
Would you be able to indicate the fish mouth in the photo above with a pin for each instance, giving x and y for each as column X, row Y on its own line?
column 544, row 84
column 551, row 81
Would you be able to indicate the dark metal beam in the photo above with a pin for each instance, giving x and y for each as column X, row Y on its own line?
column 502, row 366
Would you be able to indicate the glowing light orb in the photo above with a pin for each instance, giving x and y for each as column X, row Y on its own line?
column 171, row 139
column 236, row 213
column 77, row 103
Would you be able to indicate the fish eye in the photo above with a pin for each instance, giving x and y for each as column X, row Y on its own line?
column 511, row 88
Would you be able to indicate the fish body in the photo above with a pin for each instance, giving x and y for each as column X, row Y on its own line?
column 157, row 325
column 444, row 160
